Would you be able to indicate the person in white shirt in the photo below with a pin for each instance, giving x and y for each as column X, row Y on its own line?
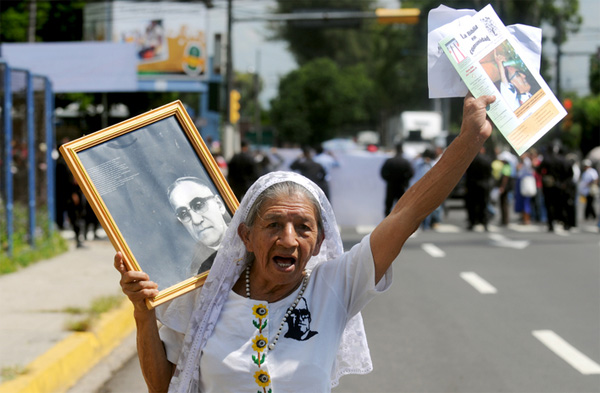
column 588, row 187
column 280, row 309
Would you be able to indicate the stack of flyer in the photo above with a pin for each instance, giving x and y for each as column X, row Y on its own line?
column 483, row 52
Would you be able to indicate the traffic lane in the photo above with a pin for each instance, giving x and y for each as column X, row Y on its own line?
column 455, row 339
column 557, row 279
column 544, row 290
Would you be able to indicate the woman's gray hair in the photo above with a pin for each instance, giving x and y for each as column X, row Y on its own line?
column 282, row 190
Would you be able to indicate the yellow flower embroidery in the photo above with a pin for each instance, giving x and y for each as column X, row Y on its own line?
column 262, row 378
column 260, row 311
column 259, row 343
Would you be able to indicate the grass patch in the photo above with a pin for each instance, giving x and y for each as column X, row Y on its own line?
column 47, row 243
column 89, row 316
column 11, row 372
column 82, row 325
column 105, row 303
column 73, row 310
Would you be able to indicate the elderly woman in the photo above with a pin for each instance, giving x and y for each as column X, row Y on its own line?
column 280, row 309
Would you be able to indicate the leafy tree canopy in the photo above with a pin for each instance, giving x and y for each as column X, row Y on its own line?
column 249, row 85
column 55, row 20
column 345, row 42
column 317, row 101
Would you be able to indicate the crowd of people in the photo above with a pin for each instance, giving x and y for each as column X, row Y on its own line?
column 539, row 187
column 543, row 187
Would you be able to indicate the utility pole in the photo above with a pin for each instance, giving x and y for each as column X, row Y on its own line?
column 558, row 58
column 32, row 18
column 230, row 137
column 256, row 81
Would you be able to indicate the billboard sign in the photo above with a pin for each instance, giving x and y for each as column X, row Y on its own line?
column 169, row 36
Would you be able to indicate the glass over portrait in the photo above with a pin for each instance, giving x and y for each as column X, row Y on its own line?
column 159, row 195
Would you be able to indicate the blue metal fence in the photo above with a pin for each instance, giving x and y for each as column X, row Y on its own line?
column 27, row 147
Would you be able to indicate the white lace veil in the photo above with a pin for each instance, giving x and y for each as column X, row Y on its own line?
column 353, row 354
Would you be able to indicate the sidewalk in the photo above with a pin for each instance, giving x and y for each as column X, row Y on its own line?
column 33, row 318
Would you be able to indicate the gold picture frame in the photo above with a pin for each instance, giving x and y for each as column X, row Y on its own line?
column 139, row 176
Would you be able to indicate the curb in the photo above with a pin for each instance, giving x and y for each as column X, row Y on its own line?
column 65, row 363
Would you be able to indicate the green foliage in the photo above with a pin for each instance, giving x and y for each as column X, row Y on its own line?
column 595, row 73
column 105, row 303
column 563, row 15
column 393, row 58
column 55, row 20
column 89, row 316
column 82, row 325
column 245, row 84
column 345, row 44
column 318, row 100
column 47, row 244
column 586, row 121
column 11, row 372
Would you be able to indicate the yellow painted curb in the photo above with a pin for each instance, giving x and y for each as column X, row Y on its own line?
column 59, row 368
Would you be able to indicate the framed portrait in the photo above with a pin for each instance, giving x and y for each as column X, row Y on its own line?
column 159, row 195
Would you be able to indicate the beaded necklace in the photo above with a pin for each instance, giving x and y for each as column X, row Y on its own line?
column 289, row 310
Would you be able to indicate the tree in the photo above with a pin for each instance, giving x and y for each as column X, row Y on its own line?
column 345, row 42
column 245, row 84
column 320, row 100
column 55, row 20
column 595, row 73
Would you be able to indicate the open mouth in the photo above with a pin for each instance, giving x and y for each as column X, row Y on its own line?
column 284, row 262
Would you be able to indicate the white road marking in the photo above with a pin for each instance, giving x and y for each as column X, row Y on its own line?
column 446, row 228
column 478, row 283
column 501, row 241
column 433, row 250
column 567, row 352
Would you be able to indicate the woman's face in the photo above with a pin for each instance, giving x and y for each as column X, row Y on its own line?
column 283, row 238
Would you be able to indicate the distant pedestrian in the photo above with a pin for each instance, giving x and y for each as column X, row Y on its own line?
column 588, row 188
column 76, row 211
column 422, row 164
column 396, row 172
column 327, row 160
column 525, row 189
column 242, row 171
column 478, row 182
column 91, row 221
column 62, row 187
column 570, row 190
column 538, row 208
column 269, row 161
column 306, row 166
column 505, row 186
column 555, row 172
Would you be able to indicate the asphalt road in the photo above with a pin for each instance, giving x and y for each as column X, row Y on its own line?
column 511, row 310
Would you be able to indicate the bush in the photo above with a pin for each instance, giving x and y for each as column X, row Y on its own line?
column 47, row 243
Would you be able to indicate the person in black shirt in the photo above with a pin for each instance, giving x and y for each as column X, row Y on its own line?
column 396, row 172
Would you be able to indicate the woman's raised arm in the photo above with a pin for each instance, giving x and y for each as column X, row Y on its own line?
column 428, row 193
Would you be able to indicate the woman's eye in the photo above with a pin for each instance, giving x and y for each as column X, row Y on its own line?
column 304, row 227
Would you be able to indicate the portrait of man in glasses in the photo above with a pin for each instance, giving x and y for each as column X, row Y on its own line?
column 203, row 214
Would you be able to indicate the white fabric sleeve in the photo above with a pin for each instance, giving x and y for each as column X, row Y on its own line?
column 352, row 277
column 173, row 342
